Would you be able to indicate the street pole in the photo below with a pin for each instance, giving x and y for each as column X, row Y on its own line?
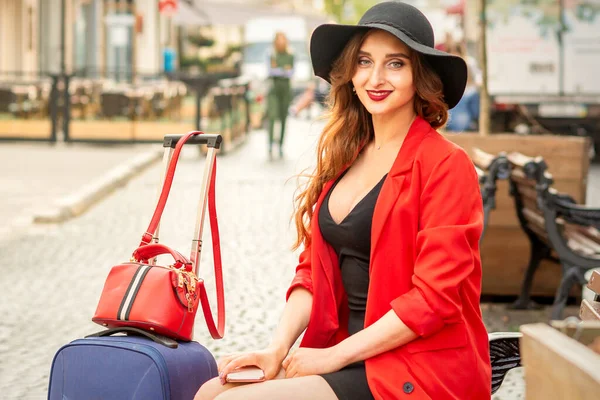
column 484, row 105
column 65, row 106
column 63, row 17
column 134, row 44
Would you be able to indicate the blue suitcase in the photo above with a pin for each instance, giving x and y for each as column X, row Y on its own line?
column 129, row 368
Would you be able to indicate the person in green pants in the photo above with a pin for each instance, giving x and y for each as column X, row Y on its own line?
column 281, row 69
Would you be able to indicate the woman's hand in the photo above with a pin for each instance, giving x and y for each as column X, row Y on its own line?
column 305, row 361
column 269, row 360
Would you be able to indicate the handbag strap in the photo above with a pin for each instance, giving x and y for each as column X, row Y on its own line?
column 166, row 189
column 216, row 331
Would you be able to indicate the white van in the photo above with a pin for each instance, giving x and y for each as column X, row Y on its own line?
column 543, row 67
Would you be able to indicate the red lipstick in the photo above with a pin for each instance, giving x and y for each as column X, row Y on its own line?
column 378, row 95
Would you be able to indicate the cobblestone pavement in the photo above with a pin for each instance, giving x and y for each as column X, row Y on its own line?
column 52, row 277
column 35, row 174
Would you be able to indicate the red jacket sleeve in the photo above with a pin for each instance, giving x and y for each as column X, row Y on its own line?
column 447, row 245
column 303, row 274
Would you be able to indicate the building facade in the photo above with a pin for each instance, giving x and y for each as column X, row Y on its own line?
column 99, row 38
column 19, row 21
column 83, row 36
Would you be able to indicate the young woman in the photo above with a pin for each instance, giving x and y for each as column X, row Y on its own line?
column 281, row 70
column 387, row 288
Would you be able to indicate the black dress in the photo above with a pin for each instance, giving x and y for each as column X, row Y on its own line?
column 351, row 239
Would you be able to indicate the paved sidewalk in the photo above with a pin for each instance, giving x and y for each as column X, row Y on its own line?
column 36, row 175
column 52, row 275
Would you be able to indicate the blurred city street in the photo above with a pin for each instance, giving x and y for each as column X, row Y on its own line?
column 89, row 88
column 53, row 273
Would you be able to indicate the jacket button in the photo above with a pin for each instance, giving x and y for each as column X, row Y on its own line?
column 408, row 387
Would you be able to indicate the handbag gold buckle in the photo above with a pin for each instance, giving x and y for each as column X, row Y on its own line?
column 189, row 280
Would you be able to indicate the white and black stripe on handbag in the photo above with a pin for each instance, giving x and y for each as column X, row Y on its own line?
column 132, row 290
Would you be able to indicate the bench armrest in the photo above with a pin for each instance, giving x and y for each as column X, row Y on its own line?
column 574, row 213
column 495, row 165
column 481, row 176
column 482, row 159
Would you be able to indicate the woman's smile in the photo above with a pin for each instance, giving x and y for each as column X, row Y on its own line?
column 378, row 95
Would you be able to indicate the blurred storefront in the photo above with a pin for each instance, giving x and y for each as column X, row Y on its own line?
column 109, row 70
column 18, row 35
column 101, row 37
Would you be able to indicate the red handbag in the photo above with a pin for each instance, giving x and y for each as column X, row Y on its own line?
column 164, row 299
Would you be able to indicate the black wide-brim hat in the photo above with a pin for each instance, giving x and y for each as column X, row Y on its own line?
column 406, row 23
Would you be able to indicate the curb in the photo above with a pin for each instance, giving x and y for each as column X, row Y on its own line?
column 80, row 201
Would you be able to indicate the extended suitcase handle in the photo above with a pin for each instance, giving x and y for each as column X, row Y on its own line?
column 207, row 195
column 207, row 139
column 165, row 341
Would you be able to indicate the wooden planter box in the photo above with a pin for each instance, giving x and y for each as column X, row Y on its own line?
column 558, row 366
column 505, row 248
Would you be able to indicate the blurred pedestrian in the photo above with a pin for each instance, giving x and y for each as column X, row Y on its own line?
column 281, row 70
column 316, row 92
column 447, row 44
column 465, row 116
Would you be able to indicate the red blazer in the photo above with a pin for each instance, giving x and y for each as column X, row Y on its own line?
column 425, row 265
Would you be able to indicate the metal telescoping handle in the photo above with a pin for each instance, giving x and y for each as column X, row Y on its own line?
column 169, row 142
column 166, row 160
column 213, row 142
column 206, row 178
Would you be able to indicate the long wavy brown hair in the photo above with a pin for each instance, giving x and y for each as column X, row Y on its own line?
column 350, row 127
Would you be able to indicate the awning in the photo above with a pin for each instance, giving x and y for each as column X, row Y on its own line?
column 189, row 15
column 229, row 13
column 458, row 8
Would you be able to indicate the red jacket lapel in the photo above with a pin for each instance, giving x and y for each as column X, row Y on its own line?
column 392, row 186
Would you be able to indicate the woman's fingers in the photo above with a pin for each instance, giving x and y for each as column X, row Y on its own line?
column 286, row 362
column 223, row 361
column 240, row 361
column 290, row 366
column 288, row 359
column 290, row 372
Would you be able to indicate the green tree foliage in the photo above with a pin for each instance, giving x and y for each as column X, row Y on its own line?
column 348, row 11
column 361, row 6
column 200, row 41
column 335, row 8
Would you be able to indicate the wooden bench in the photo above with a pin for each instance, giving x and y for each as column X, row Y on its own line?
column 556, row 226
column 560, row 362
column 590, row 308
column 489, row 169
column 504, row 346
